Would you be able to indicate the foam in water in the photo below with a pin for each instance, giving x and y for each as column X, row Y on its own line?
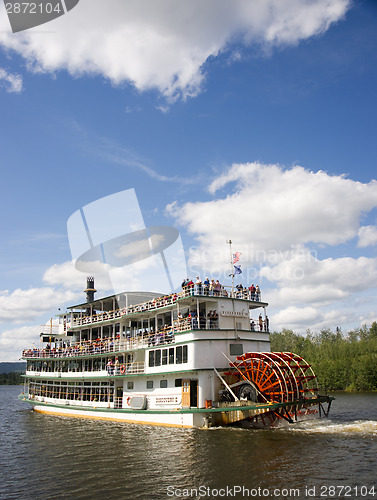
column 366, row 427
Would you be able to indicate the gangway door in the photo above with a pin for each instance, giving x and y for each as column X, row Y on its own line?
column 185, row 393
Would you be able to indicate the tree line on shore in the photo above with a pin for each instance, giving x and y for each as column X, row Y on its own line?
column 341, row 361
column 11, row 378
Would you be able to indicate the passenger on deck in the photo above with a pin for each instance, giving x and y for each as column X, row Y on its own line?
column 217, row 287
column 190, row 286
column 199, row 286
column 210, row 319
column 252, row 290
column 110, row 367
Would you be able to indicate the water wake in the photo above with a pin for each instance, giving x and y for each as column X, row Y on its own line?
column 357, row 427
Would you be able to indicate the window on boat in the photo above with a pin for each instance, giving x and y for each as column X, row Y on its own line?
column 149, row 384
column 163, row 384
column 178, row 382
column 151, row 358
column 164, row 359
column 157, row 357
column 178, row 355
column 235, row 349
column 171, row 356
column 130, row 386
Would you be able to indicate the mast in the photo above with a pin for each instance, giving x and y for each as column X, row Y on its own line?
column 231, row 264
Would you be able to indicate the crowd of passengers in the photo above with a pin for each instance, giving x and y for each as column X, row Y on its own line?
column 163, row 335
column 216, row 289
column 210, row 288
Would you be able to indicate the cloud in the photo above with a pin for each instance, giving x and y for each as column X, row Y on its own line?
column 165, row 44
column 269, row 209
column 304, row 318
column 12, row 82
column 281, row 220
column 319, row 282
column 67, row 276
column 26, row 305
column 367, row 236
column 112, row 152
column 14, row 341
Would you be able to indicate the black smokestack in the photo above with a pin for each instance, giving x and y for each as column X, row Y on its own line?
column 90, row 290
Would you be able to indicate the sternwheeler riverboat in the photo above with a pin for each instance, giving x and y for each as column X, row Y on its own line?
column 197, row 358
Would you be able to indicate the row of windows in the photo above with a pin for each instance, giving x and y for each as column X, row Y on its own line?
column 170, row 356
column 75, row 391
column 58, row 383
column 74, row 365
column 163, row 384
column 98, row 391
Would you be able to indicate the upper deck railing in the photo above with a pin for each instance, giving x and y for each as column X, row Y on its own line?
column 163, row 336
column 188, row 291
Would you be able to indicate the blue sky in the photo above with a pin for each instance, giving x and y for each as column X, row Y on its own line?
column 250, row 121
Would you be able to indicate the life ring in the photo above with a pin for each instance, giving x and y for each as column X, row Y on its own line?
column 128, row 400
column 123, row 369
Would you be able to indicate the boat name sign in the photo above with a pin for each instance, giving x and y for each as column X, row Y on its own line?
column 235, row 314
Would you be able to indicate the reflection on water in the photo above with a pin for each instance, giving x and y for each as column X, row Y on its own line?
column 56, row 457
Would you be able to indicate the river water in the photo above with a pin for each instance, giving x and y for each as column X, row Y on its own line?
column 47, row 457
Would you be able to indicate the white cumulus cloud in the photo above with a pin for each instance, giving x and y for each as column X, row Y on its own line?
column 13, row 341
column 270, row 209
column 281, row 220
column 10, row 81
column 25, row 305
column 165, row 44
column 367, row 236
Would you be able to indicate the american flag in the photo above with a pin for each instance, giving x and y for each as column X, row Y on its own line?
column 236, row 257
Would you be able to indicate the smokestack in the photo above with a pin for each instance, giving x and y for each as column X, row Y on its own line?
column 90, row 290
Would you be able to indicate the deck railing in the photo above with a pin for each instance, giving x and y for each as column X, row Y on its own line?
column 138, row 341
column 110, row 370
column 188, row 291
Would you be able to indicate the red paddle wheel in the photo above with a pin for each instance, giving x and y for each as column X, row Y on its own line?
column 277, row 377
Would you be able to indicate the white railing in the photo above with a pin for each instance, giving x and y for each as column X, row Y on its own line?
column 98, row 346
column 139, row 341
column 188, row 291
column 126, row 368
column 110, row 370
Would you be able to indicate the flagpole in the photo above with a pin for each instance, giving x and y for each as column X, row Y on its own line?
column 231, row 264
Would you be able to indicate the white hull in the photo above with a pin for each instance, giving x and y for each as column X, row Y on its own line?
column 175, row 419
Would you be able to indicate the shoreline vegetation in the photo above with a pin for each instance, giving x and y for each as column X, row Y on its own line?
column 11, row 378
column 342, row 362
